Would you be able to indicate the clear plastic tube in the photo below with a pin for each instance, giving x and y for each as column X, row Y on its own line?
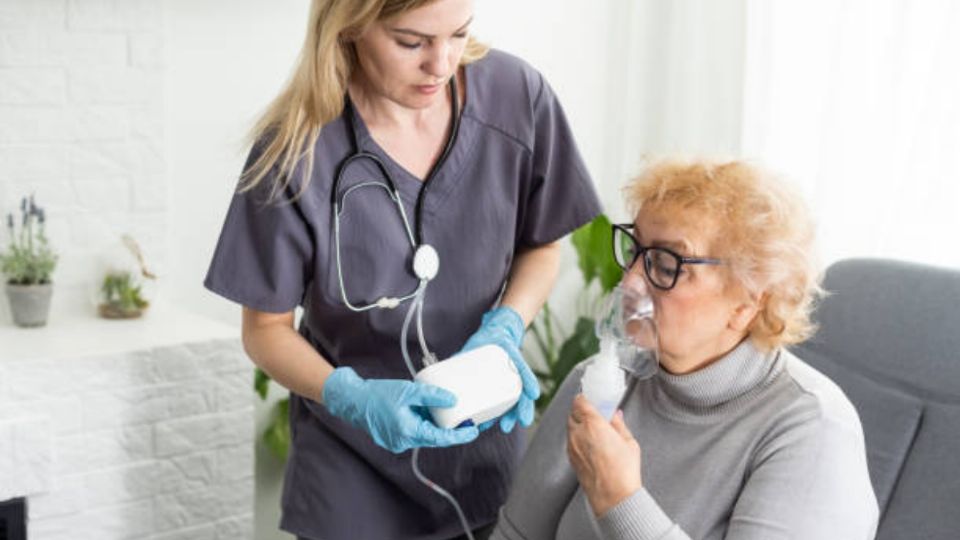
column 442, row 492
column 417, row 305
column 428, row 357
column 406, row 326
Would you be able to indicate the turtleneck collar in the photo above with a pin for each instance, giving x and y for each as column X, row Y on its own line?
column 716, row 388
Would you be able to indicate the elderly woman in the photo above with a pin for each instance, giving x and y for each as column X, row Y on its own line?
column 740, row 438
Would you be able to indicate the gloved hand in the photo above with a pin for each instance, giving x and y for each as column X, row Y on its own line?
column 503, row 327
column 394, row 412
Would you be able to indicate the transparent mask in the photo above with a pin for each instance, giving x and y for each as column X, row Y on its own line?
column 626, row 324
column 627, row 333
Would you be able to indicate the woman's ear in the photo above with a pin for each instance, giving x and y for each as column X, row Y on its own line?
column 746, row 311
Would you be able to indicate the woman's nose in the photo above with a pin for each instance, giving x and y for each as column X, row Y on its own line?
column 438, row 62
column 634, row 278
column 635, row 281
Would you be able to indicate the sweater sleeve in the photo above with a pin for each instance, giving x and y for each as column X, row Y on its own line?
column 639, row 517
column 545, row 481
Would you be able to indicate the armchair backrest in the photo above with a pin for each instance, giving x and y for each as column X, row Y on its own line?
column 890, row 337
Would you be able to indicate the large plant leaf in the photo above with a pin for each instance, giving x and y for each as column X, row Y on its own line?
column 261, row 383
column 277, row 435
column 593, row 243
column 581, row 345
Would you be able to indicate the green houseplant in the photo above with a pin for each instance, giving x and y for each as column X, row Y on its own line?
column 28, row 264
column 123, row 291
column 121, row 297
column 558, row 349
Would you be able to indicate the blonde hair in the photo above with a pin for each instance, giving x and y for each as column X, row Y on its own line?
column 287, row 131
column 762, row 230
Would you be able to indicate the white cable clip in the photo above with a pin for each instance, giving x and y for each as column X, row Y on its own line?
column 388, row 302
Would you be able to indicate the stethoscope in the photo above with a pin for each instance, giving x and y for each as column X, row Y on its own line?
column 426, row 261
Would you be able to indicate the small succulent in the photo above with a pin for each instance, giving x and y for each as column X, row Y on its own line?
column 28, row 260
column 121, row 297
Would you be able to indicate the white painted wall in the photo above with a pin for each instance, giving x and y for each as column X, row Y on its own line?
column 81, row 127
column 225, row 60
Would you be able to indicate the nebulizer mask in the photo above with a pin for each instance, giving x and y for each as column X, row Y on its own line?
column 627, row 333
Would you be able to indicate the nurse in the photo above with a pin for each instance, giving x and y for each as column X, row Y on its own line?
column 478, row 153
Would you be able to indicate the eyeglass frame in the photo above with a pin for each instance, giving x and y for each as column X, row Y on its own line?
column 626, row 229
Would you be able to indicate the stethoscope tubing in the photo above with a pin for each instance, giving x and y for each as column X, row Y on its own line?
column 338, row 200
column 359, row 153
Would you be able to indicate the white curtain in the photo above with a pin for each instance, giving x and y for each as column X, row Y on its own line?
column 858, row 101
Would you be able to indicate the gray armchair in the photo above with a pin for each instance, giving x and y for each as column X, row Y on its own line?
column 890, row 337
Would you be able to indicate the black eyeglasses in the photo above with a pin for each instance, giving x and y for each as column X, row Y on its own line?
column 661, row 265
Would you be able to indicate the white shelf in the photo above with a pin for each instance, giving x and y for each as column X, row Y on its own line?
column 74, row 335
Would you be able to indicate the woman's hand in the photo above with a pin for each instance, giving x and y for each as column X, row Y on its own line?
column 392, row 411
column 604, row 455
column 504, row 328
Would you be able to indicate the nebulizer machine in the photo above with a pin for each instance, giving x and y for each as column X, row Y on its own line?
column 627, row 333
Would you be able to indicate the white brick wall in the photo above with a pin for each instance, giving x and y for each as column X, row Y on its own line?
column 25, row 455
column 154, row 443
column 81, row 126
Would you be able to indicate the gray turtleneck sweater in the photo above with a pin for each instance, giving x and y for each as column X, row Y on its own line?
column 753, row 446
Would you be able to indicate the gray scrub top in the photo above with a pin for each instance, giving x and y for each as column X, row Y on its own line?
column 513, row 178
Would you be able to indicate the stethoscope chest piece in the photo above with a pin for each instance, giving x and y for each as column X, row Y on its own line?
column 426, row 262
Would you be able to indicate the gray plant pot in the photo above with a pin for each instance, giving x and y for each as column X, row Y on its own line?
column 29, row 304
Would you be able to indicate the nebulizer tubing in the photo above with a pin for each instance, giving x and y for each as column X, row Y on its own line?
column 428, row 358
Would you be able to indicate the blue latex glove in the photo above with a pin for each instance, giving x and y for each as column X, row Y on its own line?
column 503, row 327
column 394, row 412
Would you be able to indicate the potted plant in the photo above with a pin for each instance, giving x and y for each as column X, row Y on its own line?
column 121, row 298
column 121, row 293
column 28, row 264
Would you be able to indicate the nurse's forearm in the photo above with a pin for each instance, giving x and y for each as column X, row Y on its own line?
column 278, row 349
column 532, row 276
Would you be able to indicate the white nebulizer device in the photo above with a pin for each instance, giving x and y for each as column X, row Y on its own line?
column 485, row 381
column 603, row 381
column 628, row 344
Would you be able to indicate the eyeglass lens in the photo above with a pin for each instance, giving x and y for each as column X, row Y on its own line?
column 660, row 265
